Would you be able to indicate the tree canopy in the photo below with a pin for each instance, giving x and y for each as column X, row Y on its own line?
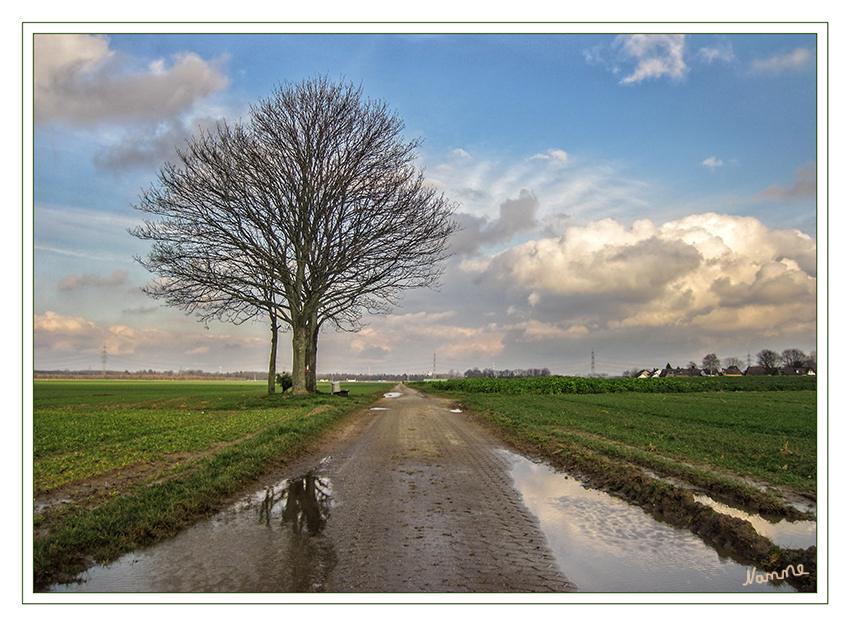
column 311, row 212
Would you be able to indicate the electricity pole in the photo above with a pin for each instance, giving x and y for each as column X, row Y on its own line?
column 103, row 357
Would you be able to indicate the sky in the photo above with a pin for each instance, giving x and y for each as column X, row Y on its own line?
column 640, row 198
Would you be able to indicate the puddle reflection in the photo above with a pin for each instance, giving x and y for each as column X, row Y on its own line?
column 783, row 533
column 270, row 542
column 303, row 503
column 604, row 544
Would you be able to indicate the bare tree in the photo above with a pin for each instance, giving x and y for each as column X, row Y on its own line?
column 767, row 359
column 793, row 357
column 711, row 363
column 733, row 361
column 811, row 360
column 311, row 213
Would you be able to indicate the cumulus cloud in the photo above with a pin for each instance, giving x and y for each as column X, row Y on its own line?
column 79, row 80
column 711, row 272
column 655, row 55
column 804, row 185
column 116, row 279
column 795, row 61
column 712, row 162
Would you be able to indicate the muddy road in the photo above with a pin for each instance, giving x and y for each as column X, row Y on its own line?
column 406, row 496
column 427, row 504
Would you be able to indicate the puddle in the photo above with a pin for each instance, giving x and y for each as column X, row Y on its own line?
column 270, row 542
column 274, row 541
column 393, row 394
column 379, row 408
column 783, row 533
column 604, row 544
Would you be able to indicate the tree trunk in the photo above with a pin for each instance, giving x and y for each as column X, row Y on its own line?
column 300, row 340
column 311, row 350
column 273, row 355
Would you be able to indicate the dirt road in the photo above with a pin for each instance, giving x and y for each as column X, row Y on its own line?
column 405, row 496
column 424, row 502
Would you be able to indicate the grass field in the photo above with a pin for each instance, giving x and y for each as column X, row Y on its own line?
column 768, row 435
column 180, row 449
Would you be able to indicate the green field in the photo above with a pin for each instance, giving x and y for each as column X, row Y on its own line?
column 180, row 449
column 768, row 435
column 84, row 429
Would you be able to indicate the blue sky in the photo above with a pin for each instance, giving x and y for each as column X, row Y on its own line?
column 647, row 197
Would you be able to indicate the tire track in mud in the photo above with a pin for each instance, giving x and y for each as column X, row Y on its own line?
column 424, row 502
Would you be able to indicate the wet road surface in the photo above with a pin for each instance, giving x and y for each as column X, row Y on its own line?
column 426, row 503
column 406, row 496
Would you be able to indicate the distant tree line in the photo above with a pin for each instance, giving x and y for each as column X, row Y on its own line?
column 149, row 374
column 519, row 373
column 767, row 359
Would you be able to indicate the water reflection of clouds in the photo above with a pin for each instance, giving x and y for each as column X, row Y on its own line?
column 786, row 534
column 604, row 544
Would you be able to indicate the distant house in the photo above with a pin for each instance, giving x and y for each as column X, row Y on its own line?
column 797, row 371
column 757, row 370
column 732, row 371
column 679, row 372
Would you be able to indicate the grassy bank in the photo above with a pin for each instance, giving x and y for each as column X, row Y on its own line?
column 700, row 435
column 173, row 452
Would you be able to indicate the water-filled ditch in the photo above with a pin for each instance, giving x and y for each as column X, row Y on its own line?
column 604, row 544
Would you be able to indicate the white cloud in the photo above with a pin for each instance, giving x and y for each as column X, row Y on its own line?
column 712, row 162
column 712, row 272
column 656, row 56
column 795, row 61
column 79, row 80
column 720, row 52
column 553, row 155
column 586, row 187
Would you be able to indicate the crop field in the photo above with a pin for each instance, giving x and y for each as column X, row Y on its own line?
column 167, row 453
column 767, row 435
column 558, row 385
column 84, row 429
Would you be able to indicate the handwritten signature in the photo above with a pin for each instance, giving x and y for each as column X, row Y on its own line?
column 769, row 576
